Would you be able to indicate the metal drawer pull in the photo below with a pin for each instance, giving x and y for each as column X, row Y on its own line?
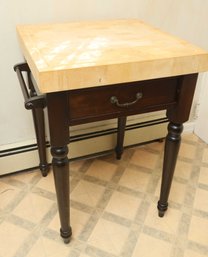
column 114, row 100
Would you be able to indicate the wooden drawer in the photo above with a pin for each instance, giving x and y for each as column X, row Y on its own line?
column 94, row 104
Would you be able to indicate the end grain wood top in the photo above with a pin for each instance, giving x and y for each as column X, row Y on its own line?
column 87, row 54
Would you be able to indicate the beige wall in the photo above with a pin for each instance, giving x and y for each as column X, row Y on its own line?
column 15, row 122
column 187, row 18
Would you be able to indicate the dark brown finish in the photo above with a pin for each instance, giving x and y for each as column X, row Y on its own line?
column 79, row 106
column 94, row 104
column 39, row 124
column 177, row 115
column 172, row 145
column 120, row 137
column 36, row 104
column 59, row 133
column 73, row 107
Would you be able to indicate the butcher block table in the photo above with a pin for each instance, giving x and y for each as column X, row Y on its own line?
column 97, row 70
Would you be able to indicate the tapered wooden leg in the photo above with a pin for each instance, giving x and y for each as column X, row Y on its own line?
column 172, row 146
column 57, row 104
column 39, row 124
column 120, row 137
column 61, row 177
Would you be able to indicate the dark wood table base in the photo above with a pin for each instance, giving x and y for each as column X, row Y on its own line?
column 80, row 106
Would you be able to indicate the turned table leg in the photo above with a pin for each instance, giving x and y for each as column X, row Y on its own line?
column 59, row 139
column 177, row 115
column 60, row 166
column 172, row 146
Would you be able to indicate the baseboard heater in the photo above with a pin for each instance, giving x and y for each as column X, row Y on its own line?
column 25, row 157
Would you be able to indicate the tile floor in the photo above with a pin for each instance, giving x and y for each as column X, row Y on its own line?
column 113, row 207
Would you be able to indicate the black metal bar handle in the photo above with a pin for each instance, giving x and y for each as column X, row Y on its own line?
column 30, row 101
column 114, row 100
column 23, row 86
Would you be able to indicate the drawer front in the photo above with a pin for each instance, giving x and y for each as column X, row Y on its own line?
column 107, row 102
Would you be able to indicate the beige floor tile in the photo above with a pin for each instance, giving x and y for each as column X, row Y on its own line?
column 55, row 223
column 134, row 180
column 54, row 249
column 48, row 248
column 198, row 230
column 169, row 223
column 158, row 146
column 205, row 155
column 7, row 194
column 78, row 220
column 11, row 238
column 84, row 255
column 76, row 165
column 187, row 151
column 26, row 177
column 33, row 207
column 203, row 176
column 87, row 193
column 189, row 253
column 190, row 137
column 183, row 169
column 148, row 246
column 38, row 249
column 47, row 183
column 102, row 170
column 144, row 158
column 177, row 191
column 108, row 236
column 123, row 205
column 201, row 200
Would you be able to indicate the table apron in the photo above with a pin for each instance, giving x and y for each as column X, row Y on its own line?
column 94, row 104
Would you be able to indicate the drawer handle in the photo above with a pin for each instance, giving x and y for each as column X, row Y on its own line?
column 114, row 100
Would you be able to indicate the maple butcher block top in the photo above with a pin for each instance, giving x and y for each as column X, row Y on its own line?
column 78, row 55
